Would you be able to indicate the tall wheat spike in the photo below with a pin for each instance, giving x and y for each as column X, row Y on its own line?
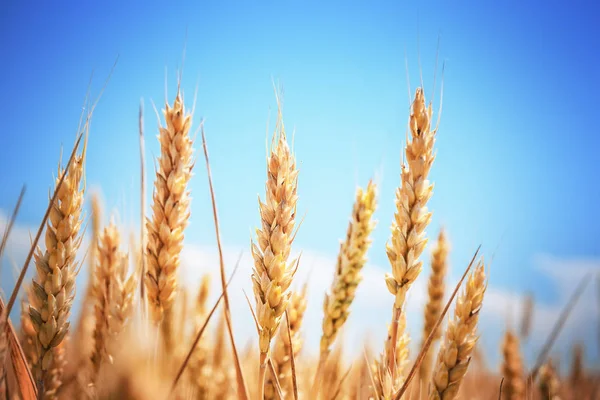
column 272, row 274
column 110, row 259
column 53, row 289
column 351, row 259
column 512, row 368
column 460, row 338
column 170, row 215
column 411, row 217
column 433, row 308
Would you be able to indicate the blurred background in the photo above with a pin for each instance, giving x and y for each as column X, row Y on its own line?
column 517, row 159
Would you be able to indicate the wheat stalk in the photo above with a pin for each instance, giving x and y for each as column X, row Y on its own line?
column 272, row 274
column 460, row 338
column 52, row 290
column 433, row 308
column 412, row 217
column 170, row 215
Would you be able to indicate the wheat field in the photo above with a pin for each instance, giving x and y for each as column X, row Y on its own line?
column 141, row 333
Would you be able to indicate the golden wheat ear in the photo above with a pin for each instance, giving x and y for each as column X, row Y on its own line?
column 454, row 355
column 272, row 274
column 408, row 238
column 435, row 289
column 171, row 212
column 54, row 287
column 347, row 275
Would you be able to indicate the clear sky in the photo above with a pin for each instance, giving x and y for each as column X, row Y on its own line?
column 518, row 147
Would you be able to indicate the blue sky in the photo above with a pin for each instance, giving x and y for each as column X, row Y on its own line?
column 517, row 148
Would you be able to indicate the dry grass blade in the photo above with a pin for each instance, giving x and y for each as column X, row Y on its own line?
column 143, row 299
column 11, row 222
column 429, row 340
column 292, row 358
column 200, row 332
column 13, row 296
column 500, row 390
column 558, row 326
column 242, row 390
column 25, row 382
